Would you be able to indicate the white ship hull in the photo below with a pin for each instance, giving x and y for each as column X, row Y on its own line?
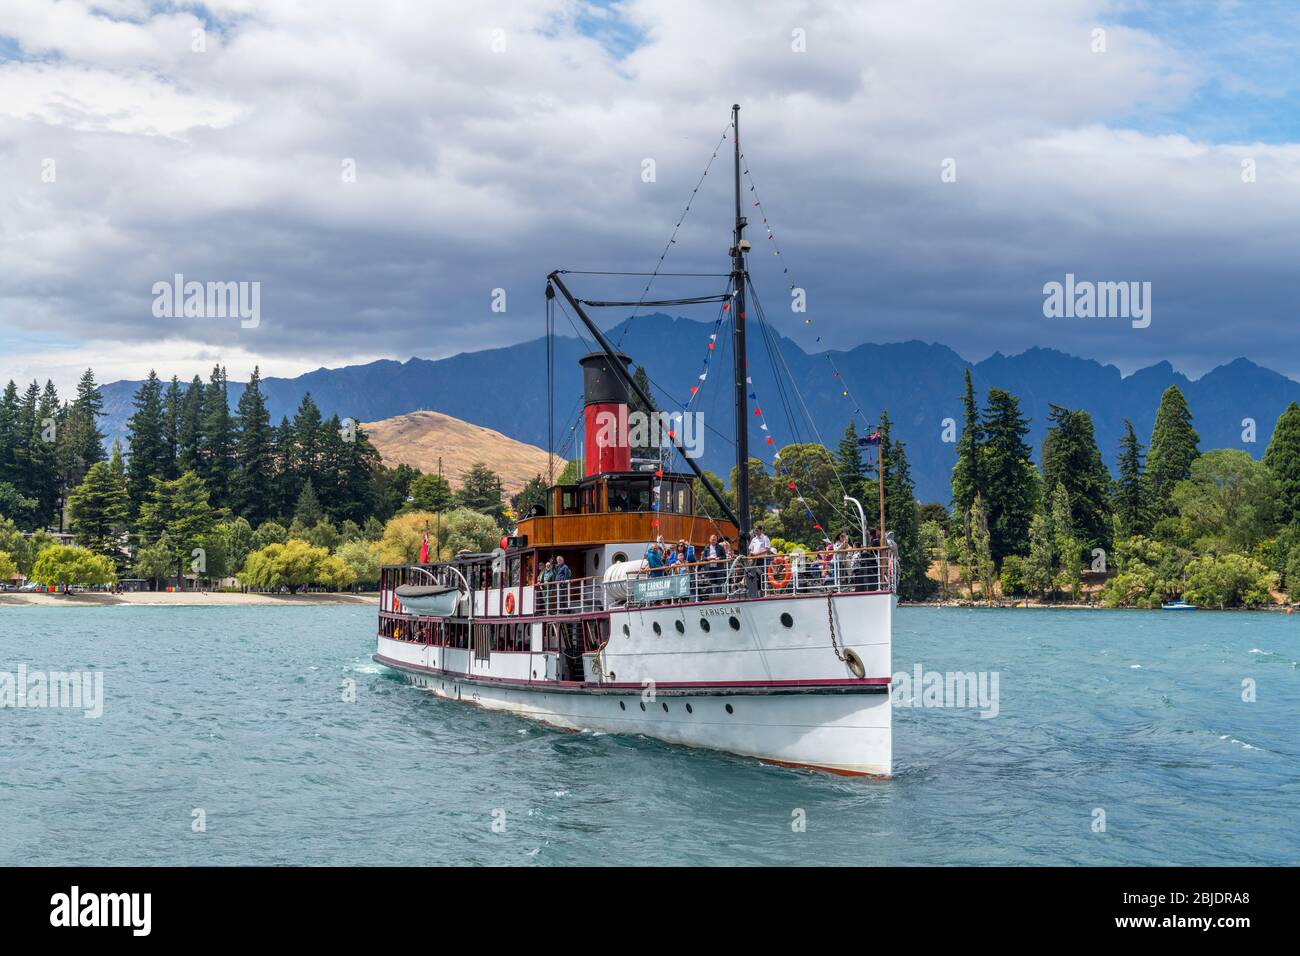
column 762, row 688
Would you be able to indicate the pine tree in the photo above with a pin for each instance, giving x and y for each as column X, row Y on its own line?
column 98, row 508
column 148, row 446
column 976, row 552
column 52, row 461
column 254, row 496
column 1007, row 474
column 635, row 405
column 307, row 512
column 173, row 401
column 1283, row 460
column 900, row 515
column 85, row 442
column 848, row 464
column 481, row 491
column 358, row 486
column 181, row 511
column 966, row 478
column 1130, row 494
column 1172, row 450
column 218, row 439
column 189, row 430
column 1041, row 560
column 9, row 443
column 1071, row 459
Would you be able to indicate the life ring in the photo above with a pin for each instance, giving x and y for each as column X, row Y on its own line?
column 781, row 563
column 510, row 602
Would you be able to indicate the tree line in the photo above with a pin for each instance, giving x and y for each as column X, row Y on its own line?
column 203, row 487
column 1217, row 528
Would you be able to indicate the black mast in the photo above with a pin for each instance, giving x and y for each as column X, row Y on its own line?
column 738, row 248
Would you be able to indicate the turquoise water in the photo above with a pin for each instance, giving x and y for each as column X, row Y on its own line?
column 240, row 713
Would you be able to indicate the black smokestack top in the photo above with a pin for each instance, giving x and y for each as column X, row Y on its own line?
column 601, row 384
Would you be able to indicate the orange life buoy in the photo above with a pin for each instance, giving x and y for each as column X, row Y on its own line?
column 781, row 563
column 510, row 602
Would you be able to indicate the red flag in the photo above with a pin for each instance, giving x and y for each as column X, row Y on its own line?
column 424, row 549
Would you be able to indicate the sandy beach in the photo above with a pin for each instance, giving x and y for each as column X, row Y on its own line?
column 178, row 599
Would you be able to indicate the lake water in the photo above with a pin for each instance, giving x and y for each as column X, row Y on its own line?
column 239, row 713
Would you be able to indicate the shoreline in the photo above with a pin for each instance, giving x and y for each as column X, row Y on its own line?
column 1077, row 606
column 185, row 599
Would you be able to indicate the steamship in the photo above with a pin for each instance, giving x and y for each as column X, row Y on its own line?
column 782, row 658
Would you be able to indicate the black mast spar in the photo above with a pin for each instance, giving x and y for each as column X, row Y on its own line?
column 738, row 249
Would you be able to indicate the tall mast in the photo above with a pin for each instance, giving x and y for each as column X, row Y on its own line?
column 742, row 366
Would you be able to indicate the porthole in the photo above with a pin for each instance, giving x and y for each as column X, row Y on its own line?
column 665, row 706
column 658, row 629
column 734, row 622
column 690, row 709
column 786, row 619
column 534, row 675
column 729, row 709
column 619, row 557
column 626, row 632
column 643, row 705
column 622, row 706
column 704, row 624
column 681, row 628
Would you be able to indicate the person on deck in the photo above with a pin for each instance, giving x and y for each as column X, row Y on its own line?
column 654, row 560
column 714, row 554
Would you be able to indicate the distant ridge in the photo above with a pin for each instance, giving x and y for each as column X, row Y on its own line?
column 419, row 438
column 920, row 383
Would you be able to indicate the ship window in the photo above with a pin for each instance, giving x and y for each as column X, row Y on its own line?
column 681, row 628
column 704, row 624
column 665, row 706
column 626, row 632
column 729, row 709
column 619, row 557
column 690, row 709
column 513, row 571
column 787, row 620
column 622, row 706
column 734, row 622
column 658, row 629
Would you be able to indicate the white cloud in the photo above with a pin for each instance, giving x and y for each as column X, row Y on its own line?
column 479, row 169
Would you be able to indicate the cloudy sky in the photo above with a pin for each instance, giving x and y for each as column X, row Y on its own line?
column 491, row 142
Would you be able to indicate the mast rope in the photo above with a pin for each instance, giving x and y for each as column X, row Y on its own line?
column 672, row 239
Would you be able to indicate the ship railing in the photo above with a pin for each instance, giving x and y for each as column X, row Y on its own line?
column 833, row 571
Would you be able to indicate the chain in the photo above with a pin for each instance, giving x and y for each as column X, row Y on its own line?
column 830, row 620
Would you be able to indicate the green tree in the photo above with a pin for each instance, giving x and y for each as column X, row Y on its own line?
column 1010, row 488
column 1229, row 502
column 1229, row 580
column 966, row 478
column 157, row 561
column 145, row 430
column 252, row 492
column 1131, row 508
column 360, row 558
column 181, row 510
column 189, row 429
column 308, row 510
column 82, row 441
column 1283, row 459
column 805, row 490
column 901, row 518
column 430, row 493
column 481, row 491
column 99, row 508
column 1173, row 449
column 1069, row 550
column 62, row 564
column 218, row 448
column 534, row 493
column 268, row 533
column 849, row 466
column 1039, row 566
column 1071, row 459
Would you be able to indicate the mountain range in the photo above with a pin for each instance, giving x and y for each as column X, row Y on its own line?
column 919, row 383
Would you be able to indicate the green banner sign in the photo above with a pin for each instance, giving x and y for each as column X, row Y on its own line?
column 661, row 589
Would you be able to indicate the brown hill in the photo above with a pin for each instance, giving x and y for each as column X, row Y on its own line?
column 419, row 438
